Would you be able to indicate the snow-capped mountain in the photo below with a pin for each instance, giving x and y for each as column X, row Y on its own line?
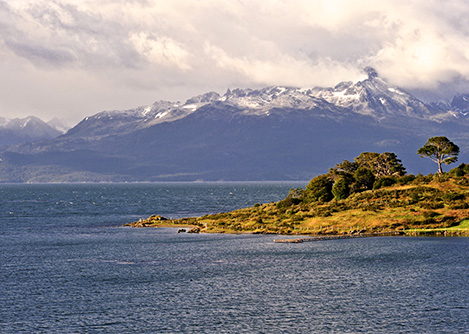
column 29, row 129
column 274, row 133
column 372, row 97
column 460, row 104
column 3, row 121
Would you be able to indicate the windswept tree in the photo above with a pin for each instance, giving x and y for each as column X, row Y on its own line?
column 440, row 150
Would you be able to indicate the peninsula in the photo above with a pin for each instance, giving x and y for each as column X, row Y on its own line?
column 371, row 195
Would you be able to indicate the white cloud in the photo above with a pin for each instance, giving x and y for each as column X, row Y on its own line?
column 171, row 49
column 160, row 50
column 428, row 49
column 284, row 69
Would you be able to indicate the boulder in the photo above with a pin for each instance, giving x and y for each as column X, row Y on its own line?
column 194, row 230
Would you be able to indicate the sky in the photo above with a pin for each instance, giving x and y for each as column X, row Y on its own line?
column 74, row 58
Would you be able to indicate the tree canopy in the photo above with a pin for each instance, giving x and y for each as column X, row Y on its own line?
column 368, row 171
column 380, row 164
column 440, row 150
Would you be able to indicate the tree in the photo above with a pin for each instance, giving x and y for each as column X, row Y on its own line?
column 387, row 164
column 365, row 169
column 364, row 179
column 320, row 189
column 440, row 150
column 344, row 168
column 366, row 159
column 384, row 164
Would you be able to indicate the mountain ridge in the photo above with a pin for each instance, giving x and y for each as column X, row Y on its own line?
column 371, row 97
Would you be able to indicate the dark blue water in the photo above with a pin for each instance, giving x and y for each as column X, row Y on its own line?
column 66, row 266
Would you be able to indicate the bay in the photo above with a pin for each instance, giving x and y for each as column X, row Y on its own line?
column 68, row 266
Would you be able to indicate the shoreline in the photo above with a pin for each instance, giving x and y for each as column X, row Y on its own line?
column 160, row 222
column 369, row 235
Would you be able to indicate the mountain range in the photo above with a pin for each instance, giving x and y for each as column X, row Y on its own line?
column 274, row 133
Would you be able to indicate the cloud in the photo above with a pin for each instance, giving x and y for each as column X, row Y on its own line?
column 160, row 50
column 283, row 69
column 171, row 49
column 39, row 54
column 428, row 50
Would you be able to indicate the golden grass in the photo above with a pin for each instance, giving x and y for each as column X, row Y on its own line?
column 439, row 204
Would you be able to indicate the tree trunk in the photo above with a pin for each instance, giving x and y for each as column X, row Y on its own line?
column 440, row 171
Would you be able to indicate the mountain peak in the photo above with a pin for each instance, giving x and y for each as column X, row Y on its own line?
column 461, row 102
column 28, row 129
column 204, row 98
column 372, row 73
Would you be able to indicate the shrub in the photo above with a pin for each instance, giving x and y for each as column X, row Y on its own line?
column 406, row 179
column 319, row 189
column 415, row 197
column 441, row 177
column 461, row 170
column 423, row 179
column 384, row 182
column 429, row 214
column 432, row 205
column 341, row 189
column 457, row 172
column 294, row 197
column 452, row 196
column 464, row 182
column 459, row 206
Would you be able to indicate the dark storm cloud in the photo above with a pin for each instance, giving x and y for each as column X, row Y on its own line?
column 39, row 54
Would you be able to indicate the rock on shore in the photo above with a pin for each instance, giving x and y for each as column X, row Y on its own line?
column 151, row 221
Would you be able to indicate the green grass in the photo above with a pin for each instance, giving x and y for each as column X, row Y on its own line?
column 462, row 225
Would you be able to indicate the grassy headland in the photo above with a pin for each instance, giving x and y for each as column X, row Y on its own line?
column 370, row 195
column 432, row 204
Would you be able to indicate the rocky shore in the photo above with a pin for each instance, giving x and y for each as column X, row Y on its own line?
column 160, row 221
column 194, row 225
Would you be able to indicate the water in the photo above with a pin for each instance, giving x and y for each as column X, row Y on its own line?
column 67, row 266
